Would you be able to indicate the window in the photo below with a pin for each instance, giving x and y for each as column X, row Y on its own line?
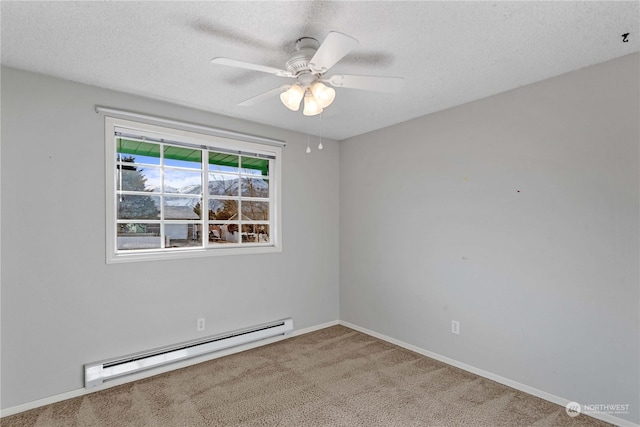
column 174, row 193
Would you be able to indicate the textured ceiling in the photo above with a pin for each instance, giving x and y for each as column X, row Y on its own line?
column 449, row 53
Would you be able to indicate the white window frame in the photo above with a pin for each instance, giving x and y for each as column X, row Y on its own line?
column 205, row 141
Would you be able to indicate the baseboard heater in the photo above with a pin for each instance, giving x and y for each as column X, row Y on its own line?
column 97, row 373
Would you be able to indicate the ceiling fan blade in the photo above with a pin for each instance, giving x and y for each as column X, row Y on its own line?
column 263, row 96
column 332, row 50
column 376, row 83
column 249, row 66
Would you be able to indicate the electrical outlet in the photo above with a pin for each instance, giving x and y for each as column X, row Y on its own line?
column 455, row 327
column 201, row 324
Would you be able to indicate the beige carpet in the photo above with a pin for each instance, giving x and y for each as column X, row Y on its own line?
column 332, row 377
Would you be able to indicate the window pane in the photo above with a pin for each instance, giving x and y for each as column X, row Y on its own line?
column 223, row 185
column 255, row 233
column 223, row 162
column 182, row 157
column 182, row 235
column 176, row 207
column 255, row 211
column 223, row 233
column 138, row 207
column 223, row 209
column 255, row 187
column 138, row 236
column 137, row 152
column 183, row 182
column 134, row 178
column 255, row 166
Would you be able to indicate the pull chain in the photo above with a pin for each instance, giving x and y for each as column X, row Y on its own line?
column 320, row 145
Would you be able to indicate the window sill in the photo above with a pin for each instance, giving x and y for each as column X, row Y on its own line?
column 189, row 253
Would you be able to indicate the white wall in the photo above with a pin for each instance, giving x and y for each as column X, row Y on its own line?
column 516, row 215
column 62, row 306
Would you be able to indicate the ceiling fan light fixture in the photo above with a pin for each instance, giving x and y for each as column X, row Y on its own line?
column 311, row 106
column 291, row 98
column 323, row 94
column 308, row 65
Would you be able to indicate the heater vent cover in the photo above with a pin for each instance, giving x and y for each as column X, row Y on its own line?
column 97, row 373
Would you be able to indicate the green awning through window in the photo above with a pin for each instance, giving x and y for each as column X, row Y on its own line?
column 142, row 148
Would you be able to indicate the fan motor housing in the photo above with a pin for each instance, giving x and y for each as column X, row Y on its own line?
column 298, row 62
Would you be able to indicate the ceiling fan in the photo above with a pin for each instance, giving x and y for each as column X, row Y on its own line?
column 308, row 65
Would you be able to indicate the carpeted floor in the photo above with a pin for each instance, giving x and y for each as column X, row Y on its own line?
column 332, row 377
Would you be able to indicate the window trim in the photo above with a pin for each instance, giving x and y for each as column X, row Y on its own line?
column 203, row 141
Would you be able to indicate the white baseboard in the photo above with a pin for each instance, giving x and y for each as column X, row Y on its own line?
column 497, row 378
column 161, row 370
